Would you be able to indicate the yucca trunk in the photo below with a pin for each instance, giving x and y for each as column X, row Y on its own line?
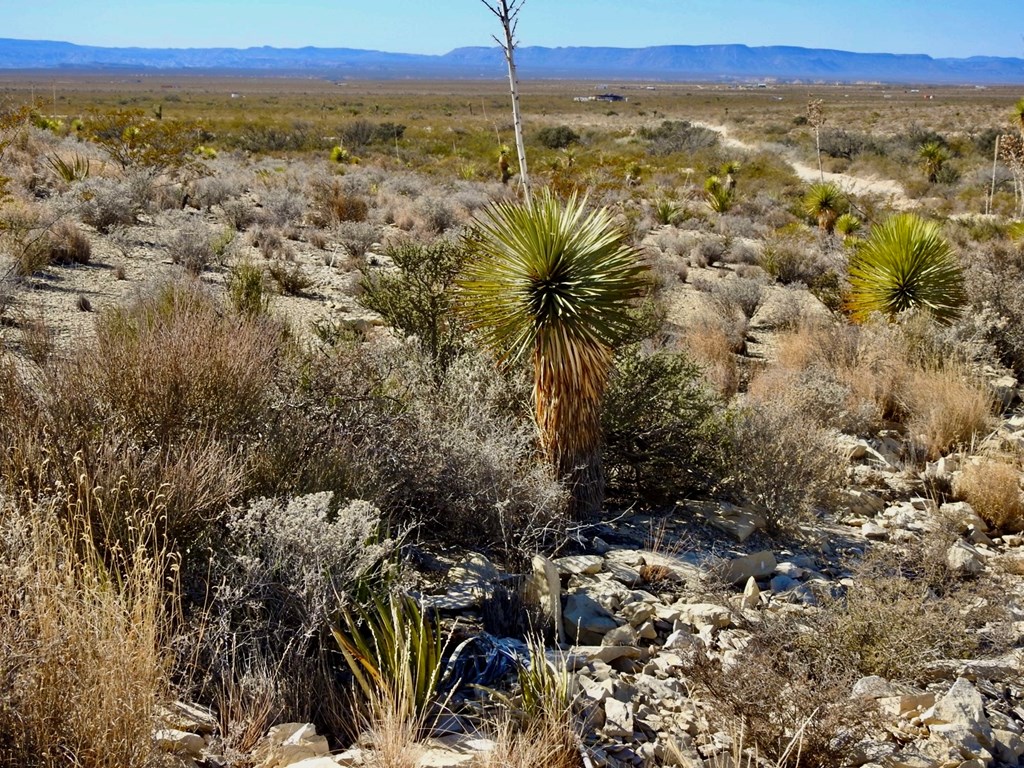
column 569, row 383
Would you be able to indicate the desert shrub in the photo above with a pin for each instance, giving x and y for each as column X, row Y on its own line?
column 457, row 457
column 289, row 277
column 106, row 203
column 791, row 258
column 995, row 281
column 37, row 244
column 212, row 190
column 145, row 146
column 819, row 724
column 896, row 618
column 557, row 137
column 417, row 299
column 823, row 393
column 674, row 136
column 192, row 248
column 283, row 207
column 659, row 427
column 82, row 628
column 262, row 656
column 993, row 489
column 331, row 203
column 240, row 214
column 780, row 460
column 246, row 284
column 839, row 143
column 741, row 295
column 361, row 133
column 357, row 237
column 437, row 215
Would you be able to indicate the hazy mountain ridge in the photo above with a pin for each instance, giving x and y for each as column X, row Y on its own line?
column 675, row 62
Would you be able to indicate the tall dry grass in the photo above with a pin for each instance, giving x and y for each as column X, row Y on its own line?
column 82, row 667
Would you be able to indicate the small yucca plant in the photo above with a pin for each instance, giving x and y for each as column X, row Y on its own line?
column 717, row 194
column 905, row 264
column 847, row 224
column 392, row 646
column 825, row 202
column 933, row 157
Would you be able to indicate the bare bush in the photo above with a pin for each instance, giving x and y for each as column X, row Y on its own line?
column 261, row 654
column 192, row 248
column 106, row 203
column 782, row 461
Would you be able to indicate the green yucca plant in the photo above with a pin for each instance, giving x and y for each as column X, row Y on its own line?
column 904, row 264
column 847, row 224
column 549, row 280
column 717, row 194
column 933, row 157
column 666, row 212
column 392, row 645
column 825, row 202
column 76, row 169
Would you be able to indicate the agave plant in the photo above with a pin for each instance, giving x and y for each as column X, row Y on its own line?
column 904, row 264
column 551, row 281
column 933, row 157
column 72, row 170
column 825, row 202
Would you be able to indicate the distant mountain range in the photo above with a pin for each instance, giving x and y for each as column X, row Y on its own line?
column 667, row 62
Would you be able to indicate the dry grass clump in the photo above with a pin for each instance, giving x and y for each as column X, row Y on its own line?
column 331, row 203
column 993, row 488
column 945, row 408
column 713, row 342
column 82, row 633
column 854, row 377
column 166, row 397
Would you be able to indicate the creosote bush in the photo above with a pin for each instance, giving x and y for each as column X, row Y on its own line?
column 416, row 299
column 660, row 429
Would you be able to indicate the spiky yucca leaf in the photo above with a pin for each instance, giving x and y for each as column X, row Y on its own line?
column 552, row 281
column 904, row 264
column 392, row 645
column 825, row 202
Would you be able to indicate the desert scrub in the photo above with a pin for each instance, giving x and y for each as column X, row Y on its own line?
column 278, row 576
column 193, row 248
column 660, row 430
column 289, row 277
column 416, row 299
column 781, row 461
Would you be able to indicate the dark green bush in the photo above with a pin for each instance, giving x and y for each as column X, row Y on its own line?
column 660, row 428
column 416, row 299
column 557, row 137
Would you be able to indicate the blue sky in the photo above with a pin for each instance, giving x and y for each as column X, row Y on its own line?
column 936, row 27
